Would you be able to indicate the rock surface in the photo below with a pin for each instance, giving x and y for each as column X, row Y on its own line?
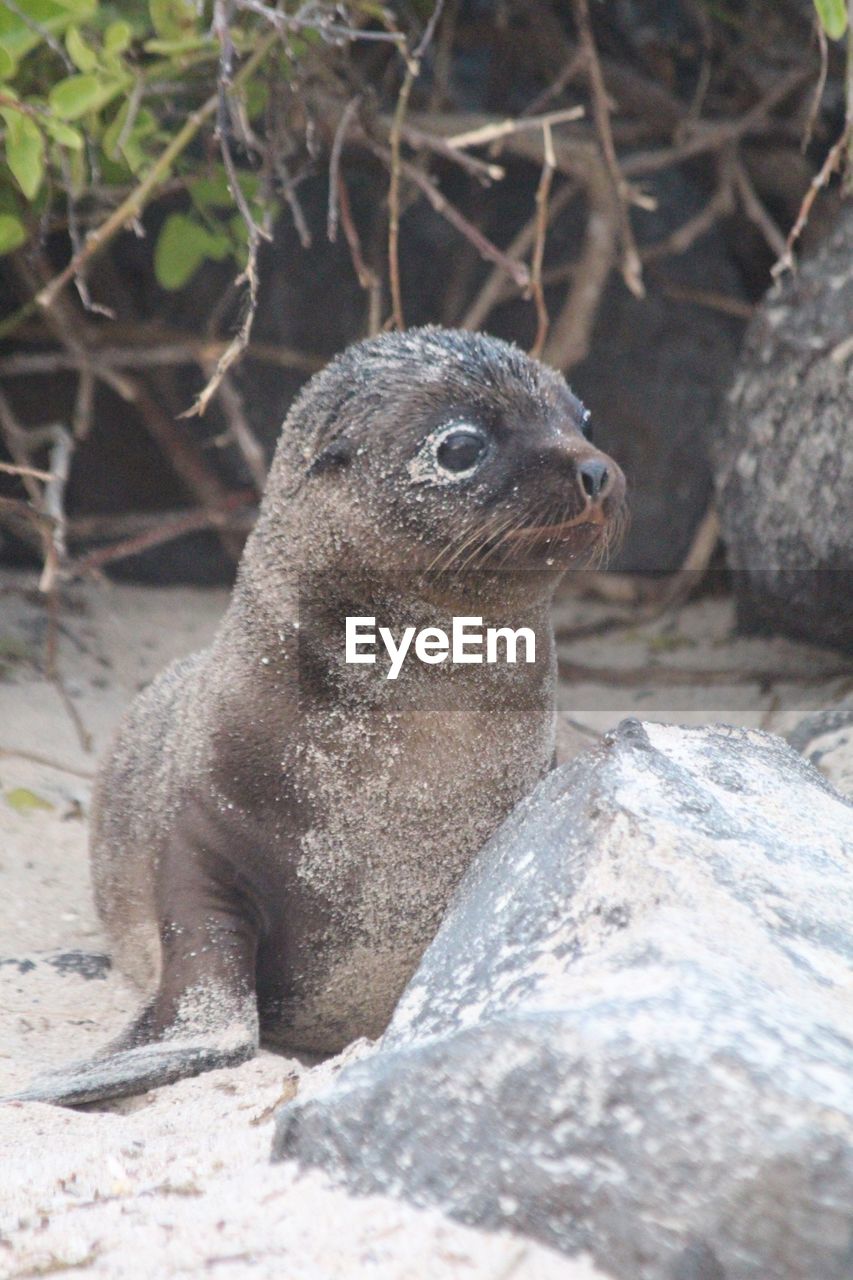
column 784, row 462
column 826, row 739
column 633, row 1034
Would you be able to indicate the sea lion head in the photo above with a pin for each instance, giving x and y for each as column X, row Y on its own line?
column 444, row 449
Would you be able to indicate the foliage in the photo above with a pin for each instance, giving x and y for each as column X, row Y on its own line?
column 833, row 17
column 91, row 93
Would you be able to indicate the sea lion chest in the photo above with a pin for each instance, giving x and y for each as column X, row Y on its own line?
column 394, row 805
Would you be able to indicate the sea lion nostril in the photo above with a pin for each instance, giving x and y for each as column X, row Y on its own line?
column 593, row 476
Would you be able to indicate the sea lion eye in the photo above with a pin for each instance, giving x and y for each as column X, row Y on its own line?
column 461, row 449
column 586, row 425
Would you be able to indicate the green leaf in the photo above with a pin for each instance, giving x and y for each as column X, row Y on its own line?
column 72, row 98
column 117, row 37
column 112, row 133
column 173, row 19
column 24, row 151
column 64, row 134
column 83, row 57
column 22, row 800
column 212, row 189
column 133, row 152
column 833, row 17
column 182, row 246
column 54, row 15
column 144, row 125
column 80, row 8
column 7, row 64
column 12, row 232
column 170, row 48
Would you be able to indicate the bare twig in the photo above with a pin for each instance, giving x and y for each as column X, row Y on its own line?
column 575, row 152
column 367, row 277
column 133, row 104
column 49, row 518
column 222, row 13
column 571, row 331
column 501, row 129
column 17, row 443
column 162, row 531
column 755, row 210
column 309, row 16
column 493, row 289
column 483, row 170
column 84, row 737
column 62, row 318
column 721, row 203
column 8, row 469
column 429, row 30
column 573, row 68
column 288, row 188
column 632, row 271
column 76, row 241
column 821, row 179
column 543, row 191
column 241, row 433
column 42, row 32
column 335, row 165
column 395, row 165
column 53, row 502
column 239, row 343
column 820, row 84
column 255, row 232
column 186, row 459
column 413, row 67
column 84, row 403
column 485, row 247
column 24, row 108
column 181, row 350
column 443, row 55
column 709, row 298
column 711, row 137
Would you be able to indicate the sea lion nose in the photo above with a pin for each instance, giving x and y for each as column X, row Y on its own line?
column 594, row 477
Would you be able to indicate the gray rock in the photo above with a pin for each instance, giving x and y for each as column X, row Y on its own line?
column 784, row 463
column 633, row 1033
column 826, row 739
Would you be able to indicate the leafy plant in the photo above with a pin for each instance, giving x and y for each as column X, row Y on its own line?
column 92, row 94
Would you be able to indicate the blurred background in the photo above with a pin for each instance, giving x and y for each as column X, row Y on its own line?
column 200, row 204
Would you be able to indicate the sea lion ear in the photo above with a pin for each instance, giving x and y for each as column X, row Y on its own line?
column 334, row 457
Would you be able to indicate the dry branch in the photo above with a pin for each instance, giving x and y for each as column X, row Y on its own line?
column 543, row 192
column 484, row 246
column 499, row 130
column 632, row 271
column 571, row 331
column 492, row 291
column 182, row 349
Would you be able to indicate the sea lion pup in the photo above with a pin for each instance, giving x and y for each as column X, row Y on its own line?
column 275, row 832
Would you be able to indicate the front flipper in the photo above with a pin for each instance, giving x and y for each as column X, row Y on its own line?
column 204, row 1013
column 131, row 1071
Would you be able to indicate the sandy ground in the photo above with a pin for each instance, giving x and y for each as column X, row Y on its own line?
column 177, row 1183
